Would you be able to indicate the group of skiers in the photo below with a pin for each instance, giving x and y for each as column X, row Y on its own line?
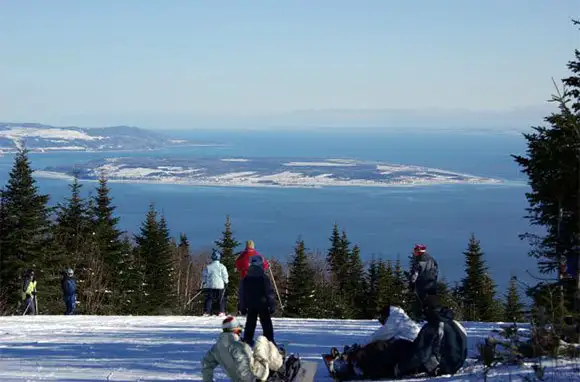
column 400, row 347
column 68, row 287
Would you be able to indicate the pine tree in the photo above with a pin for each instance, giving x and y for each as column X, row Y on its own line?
column 356, row 285
column 400, row 295
column 154, row 249
column 513, row 308
column 299, row 298
column 447, row 298
column 227, row 245
column 373, row 289
column 478, row 289
column 25, row 231
column 385, row 284
column 183, row 266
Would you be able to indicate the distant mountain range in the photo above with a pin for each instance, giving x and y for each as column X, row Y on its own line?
column 42, row 138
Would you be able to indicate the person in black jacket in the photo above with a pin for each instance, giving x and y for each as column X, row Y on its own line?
column 441, row 346
column 257, row 300
column 424, row 277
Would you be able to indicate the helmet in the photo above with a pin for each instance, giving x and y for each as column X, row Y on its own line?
column 69, row 272
column 215, row 255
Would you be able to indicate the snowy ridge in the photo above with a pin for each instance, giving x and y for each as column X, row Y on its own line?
column 262, row 172
column 170, row 348
column 42, row 138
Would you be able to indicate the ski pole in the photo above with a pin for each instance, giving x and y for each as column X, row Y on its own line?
column 194, row 297
column 276, row 287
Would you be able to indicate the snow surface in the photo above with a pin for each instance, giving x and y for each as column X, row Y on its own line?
column 170, row 348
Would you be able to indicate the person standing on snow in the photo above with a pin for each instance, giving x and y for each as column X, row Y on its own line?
column 29, row 292
column 424, row 275
column 240, row 363
column 69, row 291
column 257, row 300
column 215, row 280
column 243, row 261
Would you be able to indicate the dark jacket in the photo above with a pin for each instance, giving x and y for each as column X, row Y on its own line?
column 68, row 286
column 440, row 348
column 424, row 275
column 256, row 291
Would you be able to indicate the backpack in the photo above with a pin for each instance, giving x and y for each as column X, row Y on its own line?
column 288, row 371
column 455, row 352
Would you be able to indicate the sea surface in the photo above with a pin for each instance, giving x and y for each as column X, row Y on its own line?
column 384, row 222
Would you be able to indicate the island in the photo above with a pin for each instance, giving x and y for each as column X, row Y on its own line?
column 260, row 172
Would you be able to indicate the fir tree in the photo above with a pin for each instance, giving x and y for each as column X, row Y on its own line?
column 154, row 249
column 373, row 289
column 356, row 284
column 385, row 284
column 227, row 245
column 25, row 230
column 299, row 298
column 513, row 308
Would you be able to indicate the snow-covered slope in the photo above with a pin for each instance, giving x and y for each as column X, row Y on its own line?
column 97, row 348
column 39, row 137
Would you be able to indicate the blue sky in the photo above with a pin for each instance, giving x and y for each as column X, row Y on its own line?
column 170, row 61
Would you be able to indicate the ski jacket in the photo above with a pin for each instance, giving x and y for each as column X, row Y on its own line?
column 256, row 291
column 440, row 348
column 28, row 287
column 238, row 360
column 243, row 261
column 68, row 286
column 214, row 276
column 397, row 326
column 424, row 275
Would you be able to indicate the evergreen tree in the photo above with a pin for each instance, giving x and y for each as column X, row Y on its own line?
column 299, row 298
column 447, row 298
column 25, row 231
column 372, row 289
column 183, row 267
column 356, row 285
column 109, row 243
column 478, row 288
column 227, row 245
column 552, row 166
column 385, row 284
column 514, row 309
column 400, row 295
column 154, row 249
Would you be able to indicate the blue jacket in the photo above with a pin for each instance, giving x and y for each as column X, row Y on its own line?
column 214, row 276
column 256, row 291
column 69, row 286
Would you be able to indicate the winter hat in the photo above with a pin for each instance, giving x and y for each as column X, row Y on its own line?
column 230, row 323
column 215, row 255
column 419, row 249
column 250, row 244
column 69, row 272
column 257, row 261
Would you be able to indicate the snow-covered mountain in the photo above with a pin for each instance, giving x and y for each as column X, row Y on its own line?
column 38, row 138
column 113, row 348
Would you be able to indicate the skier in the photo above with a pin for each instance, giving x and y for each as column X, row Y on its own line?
column 69, row 291
column 441, row 346
column 214, row 281
column 240, row 363
column 257, row 300
column 29, row 292
column 243, row 261
column 424, row 275
column 377, row 356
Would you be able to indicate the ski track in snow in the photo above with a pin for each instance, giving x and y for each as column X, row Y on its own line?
column 170, row 348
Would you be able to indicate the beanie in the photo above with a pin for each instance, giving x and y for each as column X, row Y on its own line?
column 257, row 261
column 230, row 323
column 215, row 255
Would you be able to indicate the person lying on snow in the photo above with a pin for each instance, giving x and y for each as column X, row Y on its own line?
column 441, row 346
column 377, row 356
column 240, row 363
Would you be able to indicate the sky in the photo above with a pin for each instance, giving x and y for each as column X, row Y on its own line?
column 193, row 63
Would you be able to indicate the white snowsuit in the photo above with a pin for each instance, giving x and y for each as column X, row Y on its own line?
column 238, row 360
column 398, row 326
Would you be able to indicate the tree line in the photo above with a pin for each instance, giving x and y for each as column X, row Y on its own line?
column 152, row 273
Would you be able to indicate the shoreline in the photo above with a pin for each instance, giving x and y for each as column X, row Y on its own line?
column 306, row 185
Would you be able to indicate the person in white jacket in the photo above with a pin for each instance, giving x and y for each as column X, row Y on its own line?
column 240, row 363
column 377, row 356
column 214, row 282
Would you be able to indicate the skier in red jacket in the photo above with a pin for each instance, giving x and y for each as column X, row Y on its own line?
column 243, row 260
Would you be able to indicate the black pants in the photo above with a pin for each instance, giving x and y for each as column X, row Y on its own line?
column 378, row 359
column 212, row 297
column 265, row 321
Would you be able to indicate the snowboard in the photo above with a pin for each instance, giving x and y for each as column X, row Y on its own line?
column 307, row 371
column 328, row 360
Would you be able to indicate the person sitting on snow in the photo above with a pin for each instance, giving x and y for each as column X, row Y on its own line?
column 377, row 356
column 441, row 346
column 214, row 282
column 240, row 363
column 257, row 300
